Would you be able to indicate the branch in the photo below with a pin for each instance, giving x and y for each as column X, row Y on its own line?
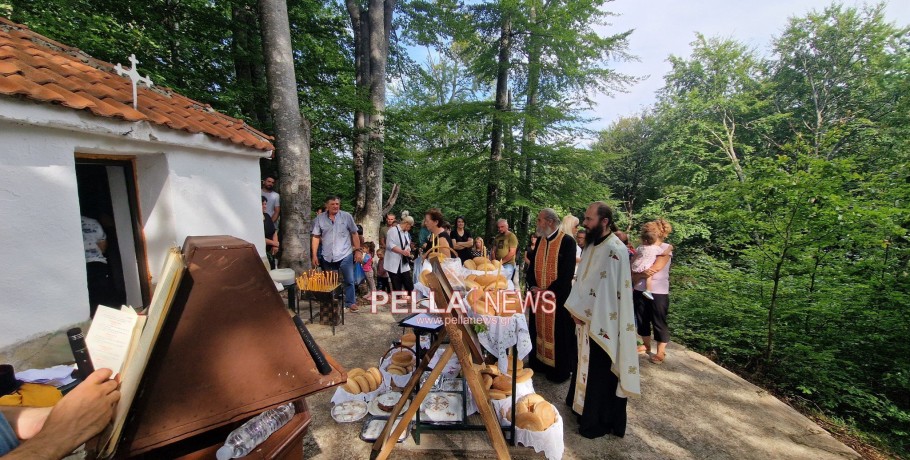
column 393, row 197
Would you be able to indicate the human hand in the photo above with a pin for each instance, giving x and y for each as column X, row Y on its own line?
column 82, row 413
column 315, row 261
column 578, row 321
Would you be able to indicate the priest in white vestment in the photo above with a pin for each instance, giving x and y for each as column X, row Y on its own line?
column 601, row 304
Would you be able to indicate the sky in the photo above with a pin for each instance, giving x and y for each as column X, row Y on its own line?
column 665, row 27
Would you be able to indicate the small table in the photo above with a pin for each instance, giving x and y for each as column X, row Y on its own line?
column 330, row 301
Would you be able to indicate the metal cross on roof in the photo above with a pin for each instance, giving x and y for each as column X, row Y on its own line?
column 134, row 77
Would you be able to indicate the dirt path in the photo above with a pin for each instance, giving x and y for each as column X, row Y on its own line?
column 690, row 409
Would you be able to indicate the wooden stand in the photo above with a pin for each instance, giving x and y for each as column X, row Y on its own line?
column 227, row 351
column 463, row 343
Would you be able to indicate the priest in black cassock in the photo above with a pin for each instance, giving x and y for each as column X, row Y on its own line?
column 551, row 268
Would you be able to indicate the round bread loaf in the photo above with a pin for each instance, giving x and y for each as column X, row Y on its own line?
column 371, row 381
column 526, row 403
column 402, row 358
column 352, row 387
column 491, row 369
column 480, row 260
column 471, row 284
column 529, row 421
column 487, row 381
column 355, row 372
column 376, row 374
column 497, row 395
column 545, row 412
column 470, row 265
column 502, row 383
column 363, row 383
column 524, row 375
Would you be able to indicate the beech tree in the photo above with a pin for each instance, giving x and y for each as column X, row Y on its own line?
column 371, row 23
column 292, row 135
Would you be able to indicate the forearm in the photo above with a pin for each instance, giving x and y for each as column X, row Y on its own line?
column 276, row 214
column 314, row 246
column 42, row 446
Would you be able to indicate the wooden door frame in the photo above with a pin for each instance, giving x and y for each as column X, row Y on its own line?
column 128, row 162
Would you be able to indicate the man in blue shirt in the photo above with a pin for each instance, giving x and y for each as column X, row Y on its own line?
column 337, row 232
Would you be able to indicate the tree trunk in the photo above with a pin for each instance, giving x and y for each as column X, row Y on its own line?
column 372, row 31
column 502, row 94
column 529, row 125
column 292, row 135
column 361, row 30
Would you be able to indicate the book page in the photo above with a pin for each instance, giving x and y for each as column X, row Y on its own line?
column 109, row 337
column 162, row 299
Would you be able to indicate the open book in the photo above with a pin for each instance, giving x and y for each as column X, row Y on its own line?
column 136, row 356
column 113, row 337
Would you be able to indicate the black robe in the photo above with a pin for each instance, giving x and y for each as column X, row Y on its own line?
column 565, row 344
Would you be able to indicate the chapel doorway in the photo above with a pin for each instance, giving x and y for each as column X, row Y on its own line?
column 118, row 275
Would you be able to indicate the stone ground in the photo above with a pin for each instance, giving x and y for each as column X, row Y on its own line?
column 690, row 408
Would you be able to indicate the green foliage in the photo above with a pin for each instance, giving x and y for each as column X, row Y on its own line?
column 786, row 183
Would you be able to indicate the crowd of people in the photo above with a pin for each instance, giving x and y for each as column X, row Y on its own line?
column 575, row 260
column 612, row 302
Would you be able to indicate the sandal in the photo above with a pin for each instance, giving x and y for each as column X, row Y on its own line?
column 642, row 350
column 658, row 359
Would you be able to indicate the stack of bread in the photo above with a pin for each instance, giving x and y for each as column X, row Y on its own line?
column 363, row 381
column 533, row 413
column 402, row 363
column 499, row 385
column 482, row 264
column 408, row 340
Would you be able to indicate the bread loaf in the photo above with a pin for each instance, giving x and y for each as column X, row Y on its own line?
column 371, row 381
column 376, row 374
column 497, row 395
column 470, row 265
column 524, row 375
column 352, row 387
column 402, row 358
column 355, row 372
column 530, row 421
column 487, row 381
column 502, row 383
column 362, row 383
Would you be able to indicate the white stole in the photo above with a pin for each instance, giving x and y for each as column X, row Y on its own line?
column 602, row 298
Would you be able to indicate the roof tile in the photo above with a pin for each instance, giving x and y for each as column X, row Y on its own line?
column 41, row 69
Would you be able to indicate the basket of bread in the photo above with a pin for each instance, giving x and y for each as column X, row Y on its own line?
column 362, row 385
column 537, row 425
column 397, row 365
column 482, row 264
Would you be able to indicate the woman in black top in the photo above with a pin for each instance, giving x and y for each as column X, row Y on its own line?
column 434, row 222
column 462, row 239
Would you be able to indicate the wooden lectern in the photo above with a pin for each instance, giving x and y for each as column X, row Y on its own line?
column 228, row 350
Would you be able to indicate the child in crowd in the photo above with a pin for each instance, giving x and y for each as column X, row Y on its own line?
column 369, row 252
column 646, row 254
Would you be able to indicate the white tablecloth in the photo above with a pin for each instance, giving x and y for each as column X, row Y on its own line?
column 504, row 332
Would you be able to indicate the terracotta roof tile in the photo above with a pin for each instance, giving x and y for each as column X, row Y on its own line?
column 43, row 70
column 71, row 100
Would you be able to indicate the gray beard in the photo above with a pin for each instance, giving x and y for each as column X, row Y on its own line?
column 543, row 232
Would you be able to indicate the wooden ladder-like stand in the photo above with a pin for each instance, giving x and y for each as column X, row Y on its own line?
column 464, row 344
